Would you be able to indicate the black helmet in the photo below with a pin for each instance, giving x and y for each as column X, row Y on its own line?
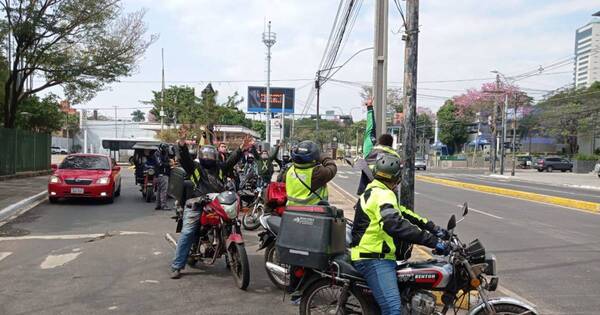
column 306, row 152
column 388, row 168
column 208, row 152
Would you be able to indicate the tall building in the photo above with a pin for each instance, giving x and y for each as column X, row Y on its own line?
column 587, row 53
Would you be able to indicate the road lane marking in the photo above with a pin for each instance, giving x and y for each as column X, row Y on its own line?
column 482, row 212
column 70, row 236
column 590, row 207
column 510, row 183
column 343, row 191
column 53, row 261
column 4, row 255
column 343, row 176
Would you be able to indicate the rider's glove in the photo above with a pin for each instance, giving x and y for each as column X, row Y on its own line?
column 441, row 248
column 440, row 232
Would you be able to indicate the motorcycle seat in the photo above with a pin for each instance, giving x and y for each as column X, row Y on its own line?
column 274, row 223
column 346, row 266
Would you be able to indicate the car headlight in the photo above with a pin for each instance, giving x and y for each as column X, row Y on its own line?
column 103, row 180
column 54, row 179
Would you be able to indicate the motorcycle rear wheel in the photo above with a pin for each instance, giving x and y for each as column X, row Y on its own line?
column 239, row 266
column 322, row 296
column 251, row 220
column 505, row 309
column 272, row 257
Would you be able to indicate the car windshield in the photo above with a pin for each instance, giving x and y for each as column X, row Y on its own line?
column 85, row 162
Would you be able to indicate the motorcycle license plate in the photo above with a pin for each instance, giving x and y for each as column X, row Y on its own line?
column 76, row 190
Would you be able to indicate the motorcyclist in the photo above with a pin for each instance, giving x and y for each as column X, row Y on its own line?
column 306, row 180
column 264, row 163
column 208, row 177
column 163, row 170
column 373, row 147
column 382, row 234
column 223, row 156
column 284, row 164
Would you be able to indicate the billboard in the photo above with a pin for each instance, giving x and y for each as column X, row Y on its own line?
column 257, row 99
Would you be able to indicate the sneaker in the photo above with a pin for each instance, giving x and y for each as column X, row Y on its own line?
column 157, row 208
column 295, row 299
column 175, row 273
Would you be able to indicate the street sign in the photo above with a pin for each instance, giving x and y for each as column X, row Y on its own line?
column 257, row 99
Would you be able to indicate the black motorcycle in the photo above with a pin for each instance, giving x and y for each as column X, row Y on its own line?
column 340, row 288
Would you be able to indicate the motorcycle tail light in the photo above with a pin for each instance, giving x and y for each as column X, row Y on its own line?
column 299, row 272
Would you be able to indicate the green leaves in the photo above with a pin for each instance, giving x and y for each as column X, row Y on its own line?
column 453, row 130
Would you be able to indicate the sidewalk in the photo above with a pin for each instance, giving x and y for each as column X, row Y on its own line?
column 573, row 180
column 16, row 190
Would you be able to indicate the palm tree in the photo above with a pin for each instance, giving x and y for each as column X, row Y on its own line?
column 138, row 115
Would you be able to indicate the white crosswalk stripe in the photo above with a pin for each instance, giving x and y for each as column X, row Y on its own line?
column 4, row 255
column 343, row 176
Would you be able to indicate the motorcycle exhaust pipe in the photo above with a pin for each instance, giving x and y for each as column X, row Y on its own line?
column 279, row 271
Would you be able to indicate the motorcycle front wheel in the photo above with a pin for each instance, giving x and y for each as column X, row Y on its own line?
column 149, row 194
column 251, row 220
column 239, row 266
column 322, row 298
column 505, row 309
column 272, row 257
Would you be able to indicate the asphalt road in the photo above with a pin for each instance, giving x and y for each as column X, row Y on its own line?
column 123, row 272
column 478, row 177
column 546, row 254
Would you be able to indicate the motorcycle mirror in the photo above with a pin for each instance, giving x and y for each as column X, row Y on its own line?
column 349, row 162
column 451, row 223
column 465, row 209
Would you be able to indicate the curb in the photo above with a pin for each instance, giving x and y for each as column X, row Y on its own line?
column 21, row 207
column 587, row 206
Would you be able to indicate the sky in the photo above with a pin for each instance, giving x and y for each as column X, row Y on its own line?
column 214, row 41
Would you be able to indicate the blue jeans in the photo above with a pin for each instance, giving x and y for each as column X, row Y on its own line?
column 381, row 278
column 189, row 234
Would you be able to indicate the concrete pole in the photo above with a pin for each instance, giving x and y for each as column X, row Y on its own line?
column 514, row 136
column 407, row 196
column 380, row 65
column 493, row 125
column 282, row 122
column 162, row 92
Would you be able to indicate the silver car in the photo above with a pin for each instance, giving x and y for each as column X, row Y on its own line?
column 420, row 164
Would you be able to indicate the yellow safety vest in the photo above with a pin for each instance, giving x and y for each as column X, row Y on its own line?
column 297, row 192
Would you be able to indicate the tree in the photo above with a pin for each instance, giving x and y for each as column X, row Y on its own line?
column 138, row 116
column 453, row 129
column 81, row 45
column 40, row 115
column 424, row 127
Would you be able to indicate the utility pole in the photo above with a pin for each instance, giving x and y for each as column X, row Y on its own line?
column 493, row 125
column 476, row 138
column 116, row 126
column 407, row 195
column 282, row 137
column 502, row 151
column 318, row 88
column 380, row 65
column 269, row 39
column 162, row 91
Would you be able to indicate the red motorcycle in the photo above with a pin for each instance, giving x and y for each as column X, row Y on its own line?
column 220, row 235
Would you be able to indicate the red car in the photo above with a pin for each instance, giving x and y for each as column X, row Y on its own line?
column 85, row 176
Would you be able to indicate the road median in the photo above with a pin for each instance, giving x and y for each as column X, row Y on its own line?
column 587, row 206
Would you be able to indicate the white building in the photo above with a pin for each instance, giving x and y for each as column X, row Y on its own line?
column 587, row 53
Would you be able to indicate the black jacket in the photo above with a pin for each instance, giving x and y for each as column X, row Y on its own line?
column 210, row 180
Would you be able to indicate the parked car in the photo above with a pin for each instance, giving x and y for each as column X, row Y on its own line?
column 58, row 150
column 550, row 164
column 420, row 164
column 597, row 169
column 524, row 161
column 94, row 176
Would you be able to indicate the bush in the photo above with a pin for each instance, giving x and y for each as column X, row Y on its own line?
column 586, row 157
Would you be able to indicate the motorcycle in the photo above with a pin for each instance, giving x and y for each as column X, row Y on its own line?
column 148, row 186
column 255, row 208
column 220, row 234
column 341, row 289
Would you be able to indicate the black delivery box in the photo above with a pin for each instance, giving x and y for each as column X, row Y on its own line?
column 311, row 235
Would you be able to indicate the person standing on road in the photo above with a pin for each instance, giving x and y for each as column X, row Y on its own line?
column 207, row 176
column 381, row 234
column 284, row 164
column 163, row 170
column 373, row 147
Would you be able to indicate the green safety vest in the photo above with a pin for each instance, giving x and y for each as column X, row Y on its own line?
column 298, row 193
column 375, row 242
column 196, row 176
